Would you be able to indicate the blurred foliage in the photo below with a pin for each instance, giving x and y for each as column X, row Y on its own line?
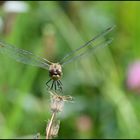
column 103, row 106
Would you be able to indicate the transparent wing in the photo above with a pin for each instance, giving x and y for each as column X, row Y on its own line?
column 87, row 47
column 90, row 50
column 23, row 56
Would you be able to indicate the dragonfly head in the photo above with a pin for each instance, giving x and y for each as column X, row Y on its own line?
column 55, row 71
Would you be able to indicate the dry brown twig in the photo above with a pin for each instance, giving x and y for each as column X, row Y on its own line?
column 57, row 105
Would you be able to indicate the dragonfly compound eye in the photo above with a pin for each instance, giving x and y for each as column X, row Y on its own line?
column 59, row 72
column 52, row 72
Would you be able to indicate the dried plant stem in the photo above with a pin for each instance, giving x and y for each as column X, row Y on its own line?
column 57, row 105
column 48, row 131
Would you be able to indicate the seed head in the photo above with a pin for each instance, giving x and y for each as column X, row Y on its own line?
column 57, row 102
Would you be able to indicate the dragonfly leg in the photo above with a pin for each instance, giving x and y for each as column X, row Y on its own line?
column 59, row 85
column 52, row 85
column 55, row 86
column 48, row 83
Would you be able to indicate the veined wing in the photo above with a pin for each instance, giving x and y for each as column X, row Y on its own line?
column 88, row 46
column 23, row 56
column 92, row 49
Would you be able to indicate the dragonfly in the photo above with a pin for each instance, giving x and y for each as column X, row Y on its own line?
column 55, row 69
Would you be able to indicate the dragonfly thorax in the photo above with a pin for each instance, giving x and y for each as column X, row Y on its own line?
column 55, row 71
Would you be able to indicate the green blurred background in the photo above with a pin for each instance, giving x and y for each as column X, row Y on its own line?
column 103, row 105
